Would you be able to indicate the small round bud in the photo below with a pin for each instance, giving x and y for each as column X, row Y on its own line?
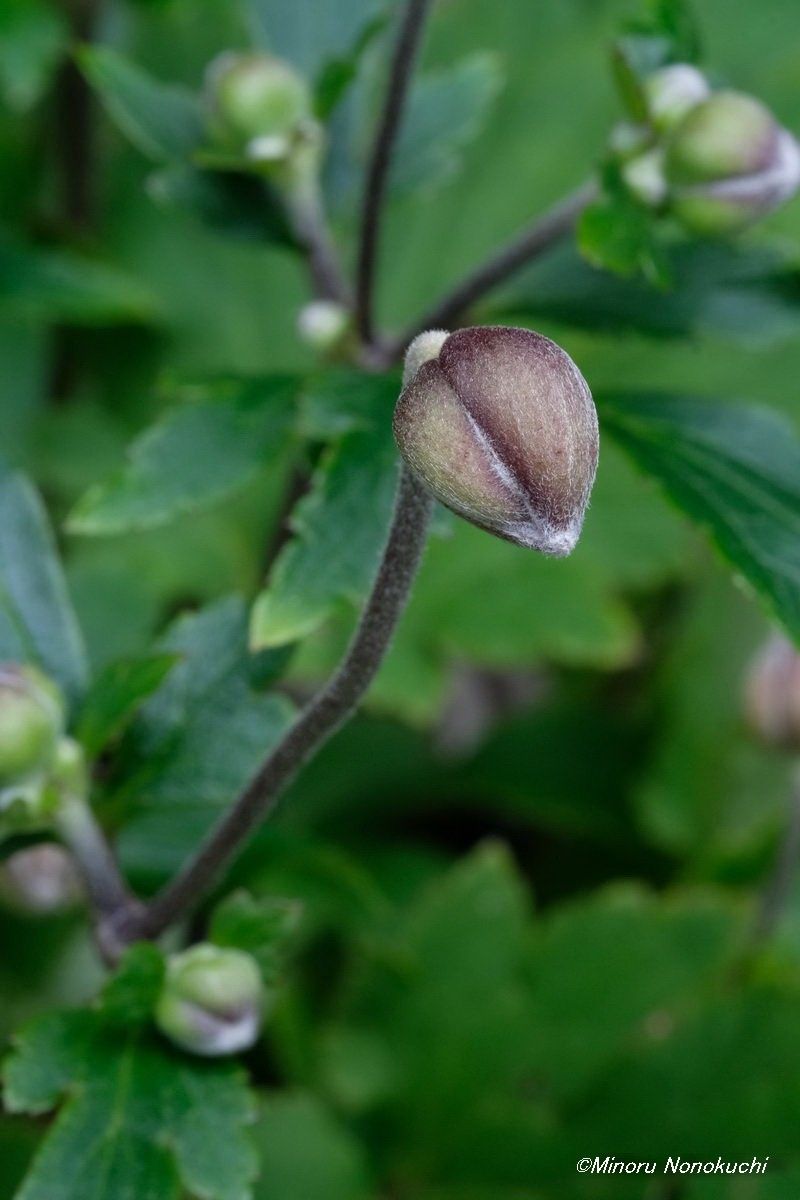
column 644, row 178
column 31, row 721
column 40, row 879
column 671, row 92
column 322, row 324
column 212, row 1001
column 772, row 694
column 728, row 163
column 500, row 426
column 257, row 98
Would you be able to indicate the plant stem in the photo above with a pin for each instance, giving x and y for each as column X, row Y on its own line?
column 403, row 58
column 307, row 215
column 534, row 240
column 778, row 889
column 321, row 717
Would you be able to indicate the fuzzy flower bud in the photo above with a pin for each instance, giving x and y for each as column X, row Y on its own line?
column 729, row 163
column 31, row 721
column 258, row 103
column 500, row 426
column 772, row 695
column 212, row 1001
column 322, row 324
column 671, row 93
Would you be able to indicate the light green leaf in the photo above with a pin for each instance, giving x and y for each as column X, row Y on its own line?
column 37, row 623
column 163, row 120
column 259, row 925
column 340, row 528
column 61, row 286
column 230, row 433
column 733, row 469
column 33, row 38
column 115, row 696
column 617, row 235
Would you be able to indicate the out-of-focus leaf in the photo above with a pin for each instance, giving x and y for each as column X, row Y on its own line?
column 312, row 33
column 339, row 528
column 115, row 696
column 61, row 286
column 261, row 926
column 37, row 623
column 197, row 741
column 749, row 296
column 305, row 1152
column 237, row 205
column 137, row 1119
column 33, row 38
column 617, row 235
column 736, row 471
column 163, row 120
column 198, row 453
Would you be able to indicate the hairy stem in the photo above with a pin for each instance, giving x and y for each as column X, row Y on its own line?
column 778, row 889
column 405, row 53
column 328, row 710
column 535, row 239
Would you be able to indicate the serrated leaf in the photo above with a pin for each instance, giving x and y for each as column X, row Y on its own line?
column 259, row 925
column 33, row 38
column 61, row 286
column 115, row 696
column 198, row 453
column 339, row 527
column 733, row 469
column 37, row 623
column 138, row 1121
column 129, row 997
column 162, row 120
column 197, row 741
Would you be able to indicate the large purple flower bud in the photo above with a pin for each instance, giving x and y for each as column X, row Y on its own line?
column 772, row 695
column 500, row 426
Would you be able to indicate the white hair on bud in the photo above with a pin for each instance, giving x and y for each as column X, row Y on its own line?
column 423, row 348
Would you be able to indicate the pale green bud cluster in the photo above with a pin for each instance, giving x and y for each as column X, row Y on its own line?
column 212, row 1001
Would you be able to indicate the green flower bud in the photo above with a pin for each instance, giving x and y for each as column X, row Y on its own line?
column 500, row 426
column 322, row 324
column 644, row 178
column 728, row 163
column 257, row 98
column 31, row 722
column 212, row 1001
column 772, row 695
column 672, row 92
column 628, row 139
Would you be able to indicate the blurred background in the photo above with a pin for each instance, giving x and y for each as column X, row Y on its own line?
column 531, row 869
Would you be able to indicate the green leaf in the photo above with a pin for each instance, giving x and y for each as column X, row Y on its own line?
column 130, row 995
column 259, row 925
column 446, row 111
column 312, row 33
column 232, row 204
column 138, row 1121
column 61, row 286
column 37, row 623
column 340, row 528
column 33, row 38
column 198, row 453
column 306, row 1152
column 197, row 741
column 618, row 235
column 733, row 469
column 116, row 695
column 162, row 120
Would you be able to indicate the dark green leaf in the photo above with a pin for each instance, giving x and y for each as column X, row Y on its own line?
column 236, row 205
column 164, row 121
column 312, row 33
column 130, row 995
column 37, row 623
column 33, row 38
column 115, row 696
column 733, row 469
column 231, row 431
column 306, row 1152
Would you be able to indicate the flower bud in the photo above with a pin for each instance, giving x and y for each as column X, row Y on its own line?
column 212, row 1001
column 31, row 721
column 40, row 879
column 258, row 103
column 500, row 426
column 671, row 93
column 728, row 163
column 322, row 324
column 772, row 695
column 644, row 178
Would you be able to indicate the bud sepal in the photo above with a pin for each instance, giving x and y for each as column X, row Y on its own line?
column 212, row 1001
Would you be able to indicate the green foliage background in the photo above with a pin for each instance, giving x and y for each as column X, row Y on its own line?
column 528, row 871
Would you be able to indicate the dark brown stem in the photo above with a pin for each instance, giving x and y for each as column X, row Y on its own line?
column 403, row 58
column 321, row 717
column 534, row 240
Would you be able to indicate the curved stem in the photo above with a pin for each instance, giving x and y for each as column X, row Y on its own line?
column 534, row 240
column 405, row 53
column 328, row 710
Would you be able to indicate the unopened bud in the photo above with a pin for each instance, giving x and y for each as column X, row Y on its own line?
column 322, row 324
column 31, row 721
column 772, row 695
column 40, row 879
column 212, row 1001
column 644, row 178
column 671, row 93
column 258, row 104
column 500, row 426
column 729, row 163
